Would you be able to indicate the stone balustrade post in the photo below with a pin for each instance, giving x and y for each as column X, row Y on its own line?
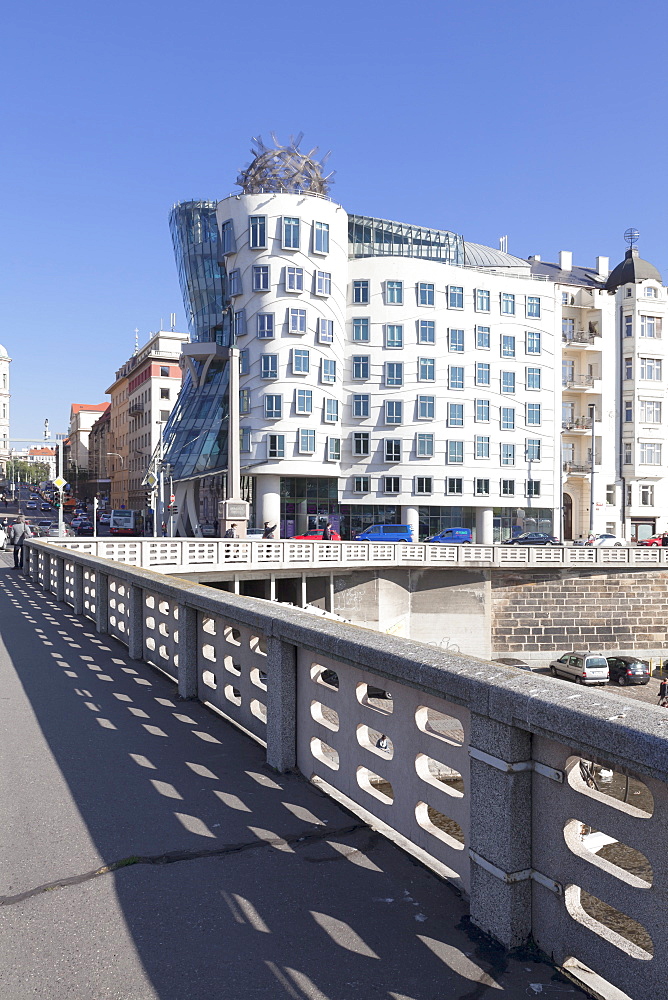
column 78, row 597
column 188, row 648
column 500, row 831
column 281, row 704
column 101, row 603
column 46, row 579
column 60, row 578
column 136, row 623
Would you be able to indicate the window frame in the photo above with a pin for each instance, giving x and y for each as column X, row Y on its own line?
column 259, row 223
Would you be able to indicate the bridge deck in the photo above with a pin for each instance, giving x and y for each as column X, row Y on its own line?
column 181, row 866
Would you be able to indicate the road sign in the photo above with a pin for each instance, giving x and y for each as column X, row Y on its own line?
column 172, row 498
column 59, row 483
column 150, row 480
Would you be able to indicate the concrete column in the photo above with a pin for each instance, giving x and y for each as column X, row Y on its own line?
column 136, row 623
column 46, row 579
column 101, row 603
column 60, row 578
column 484, row 525
column 188, row 652
column 268, row 503
column 304, row 597
column 500, row 834
column 78, row 598
column 409, row 515
column 272, row 586
column 281, row 704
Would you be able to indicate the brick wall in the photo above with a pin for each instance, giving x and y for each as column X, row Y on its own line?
column 535, row 613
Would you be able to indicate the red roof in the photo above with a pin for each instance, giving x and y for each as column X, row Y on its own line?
column 42, row 451
column 78, row 407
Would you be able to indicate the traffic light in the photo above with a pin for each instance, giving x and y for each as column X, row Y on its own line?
column 149, row 497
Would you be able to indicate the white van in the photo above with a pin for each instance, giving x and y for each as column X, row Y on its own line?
column 582, row 667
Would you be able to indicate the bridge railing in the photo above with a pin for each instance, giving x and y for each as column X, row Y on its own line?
column 506, row 782
column 180, row 555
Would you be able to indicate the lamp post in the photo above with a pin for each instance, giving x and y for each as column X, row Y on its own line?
column 116, row 455
column 592, row 416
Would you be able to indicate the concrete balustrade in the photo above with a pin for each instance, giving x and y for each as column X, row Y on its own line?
column 484, row 772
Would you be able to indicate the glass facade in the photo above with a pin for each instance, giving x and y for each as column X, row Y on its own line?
column 368, row 237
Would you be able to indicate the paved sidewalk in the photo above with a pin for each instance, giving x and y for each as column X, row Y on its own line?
column 146, row 851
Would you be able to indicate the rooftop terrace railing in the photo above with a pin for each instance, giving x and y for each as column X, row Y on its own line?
column 497, row 778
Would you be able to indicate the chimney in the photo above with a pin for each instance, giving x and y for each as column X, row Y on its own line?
column 603, row 266
column 565, row 260
column 535, row 257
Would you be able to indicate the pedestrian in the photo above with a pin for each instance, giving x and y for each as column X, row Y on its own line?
column 327, row 533
column 18, row 533
column 663, row 690
column 231, row 532
column 269, row 530
column 664, row 538
column 164, row 529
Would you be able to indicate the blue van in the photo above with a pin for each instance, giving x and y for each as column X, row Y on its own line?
column 453, row 536
column 386, row 533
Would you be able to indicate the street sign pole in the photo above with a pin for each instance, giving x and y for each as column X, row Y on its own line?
column 61, row 527
column 95, row 515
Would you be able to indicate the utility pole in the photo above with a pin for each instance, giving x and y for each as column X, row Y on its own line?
column 592, row 415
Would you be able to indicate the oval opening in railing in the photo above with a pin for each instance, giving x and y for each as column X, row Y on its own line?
column 608, row 923
column 327, row 717
column 258, row 644
column 620, row 791
column 324, row 753
column 375, row 741
column 375, row 785
column 232, row 635
column 323, row 675
column 608, row 854
column 375, row 697
column 259, row 710
column 440, row 775
column 233, row 694
column 209, row 652
column 209, row 679
column 209, row 625
column 440, row 826
column 258, row 678
column 232, row 667
column 443, row 727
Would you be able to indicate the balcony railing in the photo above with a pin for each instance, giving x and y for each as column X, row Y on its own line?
column 577, row 424
column 578, row 381
column 136, row 407
column 575, row 468
column 581, row 337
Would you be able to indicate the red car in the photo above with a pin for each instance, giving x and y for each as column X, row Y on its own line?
column 654, row 540
column 315, row 536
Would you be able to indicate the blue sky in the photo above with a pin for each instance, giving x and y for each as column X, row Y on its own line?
column 544, row 122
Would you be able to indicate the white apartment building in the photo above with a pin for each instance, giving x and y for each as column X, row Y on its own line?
column 5, row 362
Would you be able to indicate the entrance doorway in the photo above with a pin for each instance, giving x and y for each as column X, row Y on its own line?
column 642, row 528
column 568, row 517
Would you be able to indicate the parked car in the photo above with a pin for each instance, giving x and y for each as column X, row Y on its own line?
column 453, row 536
column 254, row 532
column 654, row 540
column 533, row 538
column 386, row 533
column 511, row 661
column 581, row 666
column 628, row 669
column 315, row 536
column 606, row 540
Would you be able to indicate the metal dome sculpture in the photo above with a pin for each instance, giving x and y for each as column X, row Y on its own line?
column 284, row 169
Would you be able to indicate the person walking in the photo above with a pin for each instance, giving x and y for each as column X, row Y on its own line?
column 327, row 533
column 269, row 530
column 664, row 538
column 663, row 690
column 18, row 532
column 231, row 532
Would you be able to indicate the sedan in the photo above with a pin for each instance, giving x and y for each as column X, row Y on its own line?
column 654, row 540
column 104, row 518
column 315, row 536
column 606, row 540
column 628, row 670
column 45, row 506
column 45, row 524
column 31, row 505
column 533, row 538
column 85, row 528
column 76, row 521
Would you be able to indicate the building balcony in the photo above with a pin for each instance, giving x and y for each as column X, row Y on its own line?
column 580, row 339
column 579, row 381
column 574, row 469
column 578, row 424
column 135, row 408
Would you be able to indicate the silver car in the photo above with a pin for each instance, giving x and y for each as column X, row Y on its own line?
column 582, row 667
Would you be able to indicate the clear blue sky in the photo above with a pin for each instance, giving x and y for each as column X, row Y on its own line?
column 542, row 121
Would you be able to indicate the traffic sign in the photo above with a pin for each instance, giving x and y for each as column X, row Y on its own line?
column 59, row 483
column 150, row 480
column 172, row 498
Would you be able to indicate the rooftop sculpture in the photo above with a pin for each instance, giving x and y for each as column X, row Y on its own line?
column 284, row 169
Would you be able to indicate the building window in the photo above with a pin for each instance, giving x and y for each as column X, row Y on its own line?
column 294, row 279
column 650, row 411
column 533, row 306
column 533, row 488
column 425, row 294
column 482, row 411
column 646, row 495
column 394, row 293
column 234, row 282
column 361, row 405
column 610, row 495
column 392, row 449
column 269, row 366
column 361, row 330
column 300, row 362
column 455, row 414
column 426, row 370
column 507, row 381
column 361, row 444
column 164, row 393
column 508, row 487
column 423, row 485
column 425, row 407
column 361, row 484
column 507, row 418
column 650, row 368
column 482, row 373
column 273, row 407
column 628, row 411
column 323, row 283
column 394, row 373
column 327, row 370
column 651, row 293
column 424, row 445
column 482, row 487
column 227, row 237
column 455, row 297
column 455, row 452
column 567, row 328
column 426, row 331
column 265, row 326
column 650, row 453
column 244, row 439
column 276, row 446
column 482, row 300
column 533, row 449
column 391, row 484
column 321, row 237
column 628, row 326
column 455, row 377
column 306, row 441
column 628, row 368
column 394, row 335
column 361, row 292
column 297, row 320
column 533, row 378
column 533, row 342
column 456, row 340
column 244, row 368
column 628, row 456
column 507, row 454
column 164, row 371
column 258, row 232
column 303, row 401
column 454, row 487
column 290, row 233
column 393, row 411
column 482, row 338
column 534, row 414
column 244, row 401
column 507, row 304
column 333, row 449
column 651, row 326
column 507, row 346
column 360, row 366
column 261, row 278
column 240, row 323
column 325, row 331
